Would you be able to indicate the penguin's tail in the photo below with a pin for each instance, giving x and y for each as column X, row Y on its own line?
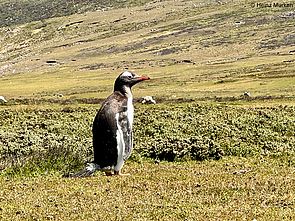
column 88, row 171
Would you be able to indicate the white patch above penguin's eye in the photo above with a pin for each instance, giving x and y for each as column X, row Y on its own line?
column 127, row 74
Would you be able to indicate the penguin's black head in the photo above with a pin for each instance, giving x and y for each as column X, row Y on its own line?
column 128, row 79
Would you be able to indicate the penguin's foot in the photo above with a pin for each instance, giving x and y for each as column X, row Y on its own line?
column 109, row 173
column 118, row 173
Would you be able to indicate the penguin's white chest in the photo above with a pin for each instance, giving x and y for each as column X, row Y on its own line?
column 120, row 145
column 130, row 111
column 120, row 133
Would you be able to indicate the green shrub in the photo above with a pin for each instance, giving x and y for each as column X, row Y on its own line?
column 48, row 139
column 60, row 139
column 198, row 132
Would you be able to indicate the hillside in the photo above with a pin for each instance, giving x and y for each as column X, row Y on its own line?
column 21, row 12
column 194, row 49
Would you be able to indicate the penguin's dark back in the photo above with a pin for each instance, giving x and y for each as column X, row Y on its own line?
column 104, row 129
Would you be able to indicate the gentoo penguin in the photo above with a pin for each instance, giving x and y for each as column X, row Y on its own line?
column 112, row 128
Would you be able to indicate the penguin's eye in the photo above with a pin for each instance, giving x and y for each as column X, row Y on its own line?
column 129, row 77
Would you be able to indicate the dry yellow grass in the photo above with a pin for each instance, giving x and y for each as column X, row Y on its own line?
column 230, row 189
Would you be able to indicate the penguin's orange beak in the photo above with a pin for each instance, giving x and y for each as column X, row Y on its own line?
column 136, row 79
column 143, row 78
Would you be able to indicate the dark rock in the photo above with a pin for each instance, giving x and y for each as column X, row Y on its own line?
column 51, row 62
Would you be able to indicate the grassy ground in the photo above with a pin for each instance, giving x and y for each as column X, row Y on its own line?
column 45, row 141
column 229, row 189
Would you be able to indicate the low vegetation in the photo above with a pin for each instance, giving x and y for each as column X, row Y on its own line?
column 198, row 132
column 59, row 139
